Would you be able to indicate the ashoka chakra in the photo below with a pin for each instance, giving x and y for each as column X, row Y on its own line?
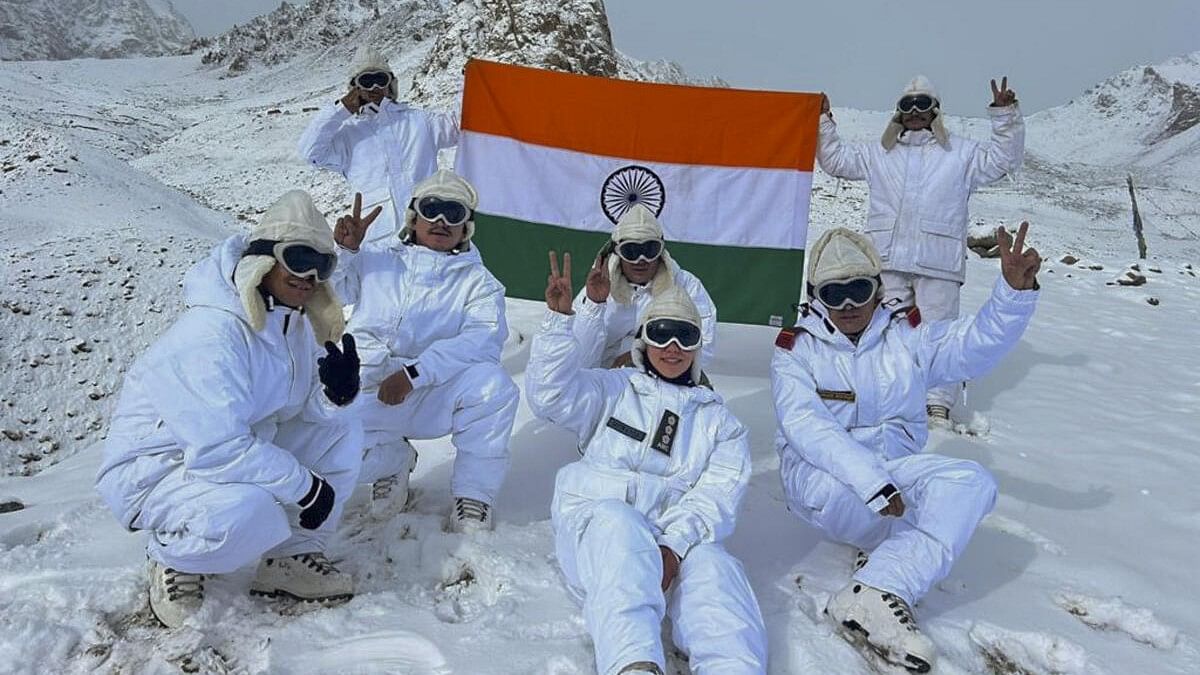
column 631, row 185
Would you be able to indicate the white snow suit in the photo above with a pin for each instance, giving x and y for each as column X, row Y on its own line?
column 619, row 322
column 662, row 464
column 917, row 212
column 382, row 154
column 216, row 430
column 852, row 420
column 443, row 315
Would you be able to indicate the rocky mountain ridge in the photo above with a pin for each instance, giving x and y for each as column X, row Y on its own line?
column 70, row 29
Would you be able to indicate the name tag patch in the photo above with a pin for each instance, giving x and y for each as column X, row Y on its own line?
column 664, row 436
column 831, row 395
column 626, row 430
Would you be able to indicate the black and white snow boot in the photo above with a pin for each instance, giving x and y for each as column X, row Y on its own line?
column 310, row 577
column 884, row 623
column 174, row 595
column 470, row 515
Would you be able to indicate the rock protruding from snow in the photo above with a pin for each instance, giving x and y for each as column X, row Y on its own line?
column 69, row 29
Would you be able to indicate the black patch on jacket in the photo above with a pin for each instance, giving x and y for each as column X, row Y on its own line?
column 834, row 395
column 664, row 436
column 626, row 430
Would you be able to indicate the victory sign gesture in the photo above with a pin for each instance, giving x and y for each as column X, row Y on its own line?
column 558, row 286
column 598, row 283
column 1002, row 96
column 1019, row 265
column 351, row 229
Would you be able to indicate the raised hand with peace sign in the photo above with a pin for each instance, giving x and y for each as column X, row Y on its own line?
column 338, row 371
column 1002, row 96
column 1019, row 265
column 558, row 286
column 351, row 229
column 598, row 283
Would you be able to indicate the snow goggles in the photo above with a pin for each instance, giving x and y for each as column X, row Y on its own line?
column 373, row 79
column 662, row 332
column 635, row 251
column 449, row 211
column 299, row 260
column 843, row 293
column 918, row 103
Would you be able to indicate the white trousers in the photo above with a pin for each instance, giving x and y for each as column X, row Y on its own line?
column 945, row 498
column 613, row 566
column 476, row 408
column 937, row 299
column 203, row 527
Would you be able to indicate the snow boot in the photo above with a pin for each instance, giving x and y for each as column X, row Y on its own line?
column 389, row 495
column 174, row 595
column 641, row 668
column 860, row 560
column 883, row 623
column 939, row 416
column 470, row 515
column 309, row 577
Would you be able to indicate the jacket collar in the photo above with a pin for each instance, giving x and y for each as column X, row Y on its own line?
column 815, row 323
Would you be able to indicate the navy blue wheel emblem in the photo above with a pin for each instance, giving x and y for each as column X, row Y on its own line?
column 631, row 185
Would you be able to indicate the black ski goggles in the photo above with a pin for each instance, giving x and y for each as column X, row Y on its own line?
column 373, row 79
column 918, row 103
column 300, row 260
column 636, row 251
column 662, row 332
column 449, row 211
column 843, row 293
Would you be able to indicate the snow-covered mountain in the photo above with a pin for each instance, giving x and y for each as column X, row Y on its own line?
column 106, row 29
column 1146, row 116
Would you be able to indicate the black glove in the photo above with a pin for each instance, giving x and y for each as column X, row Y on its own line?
column 339, row 371
column 316, row 505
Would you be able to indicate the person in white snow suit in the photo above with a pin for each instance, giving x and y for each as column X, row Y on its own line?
column 849, row 385
column 920, row 177
column 381, row 145
column 228, row 444
column 633, row 267
column 639, row 519
column 429, row 318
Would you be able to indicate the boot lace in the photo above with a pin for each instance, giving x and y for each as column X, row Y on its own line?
column 317, row 562
column 382, row 488
column 182, row 585
column 466, row 508
column 900, row 610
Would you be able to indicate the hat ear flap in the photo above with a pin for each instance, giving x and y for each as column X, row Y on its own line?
column 619, row 287
column 324, row 312
column 939, row 130
column 247, row 277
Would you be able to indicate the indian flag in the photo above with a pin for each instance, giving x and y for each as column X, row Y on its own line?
column 557, row 158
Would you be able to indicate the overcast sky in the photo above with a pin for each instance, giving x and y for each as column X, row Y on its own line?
column 862, row 52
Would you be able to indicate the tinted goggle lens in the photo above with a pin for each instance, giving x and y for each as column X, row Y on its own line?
column 373, row 80
column 449, row 211
column 632, row 251
column 661, row 332
column 853, row 292
column 921, row 103
column 302, row 261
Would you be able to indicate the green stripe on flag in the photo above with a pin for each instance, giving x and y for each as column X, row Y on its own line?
column 748, row 285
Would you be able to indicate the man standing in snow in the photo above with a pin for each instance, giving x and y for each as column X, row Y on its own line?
column 430, row 320
column 849, row 384
column 380, row 145
column 225, row 445
column 634, row 267
column 920, row 178
column 639, row 519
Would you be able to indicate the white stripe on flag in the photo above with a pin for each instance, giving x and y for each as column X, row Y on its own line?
column 730, row 206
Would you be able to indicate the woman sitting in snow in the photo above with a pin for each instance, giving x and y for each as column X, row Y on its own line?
column 222, row 446
column 639, row 518
column 849, row 383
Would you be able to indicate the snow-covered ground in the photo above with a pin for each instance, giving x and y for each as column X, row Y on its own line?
column 1090, row 426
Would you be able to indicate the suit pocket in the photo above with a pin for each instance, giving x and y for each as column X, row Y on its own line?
column 942, row 245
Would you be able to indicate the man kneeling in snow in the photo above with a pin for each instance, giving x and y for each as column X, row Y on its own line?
column 430, row 318
column 222, row 446
column 849, row 383
column 639, row 519
column 634, row 268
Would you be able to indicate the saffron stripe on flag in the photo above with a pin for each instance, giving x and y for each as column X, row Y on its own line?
column 748, row 285
column 643, row 121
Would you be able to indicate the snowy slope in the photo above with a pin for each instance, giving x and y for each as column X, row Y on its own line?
column 1089, row 426
column 71, row 29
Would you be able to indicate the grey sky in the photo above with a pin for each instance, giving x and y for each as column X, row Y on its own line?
column 862, row 52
